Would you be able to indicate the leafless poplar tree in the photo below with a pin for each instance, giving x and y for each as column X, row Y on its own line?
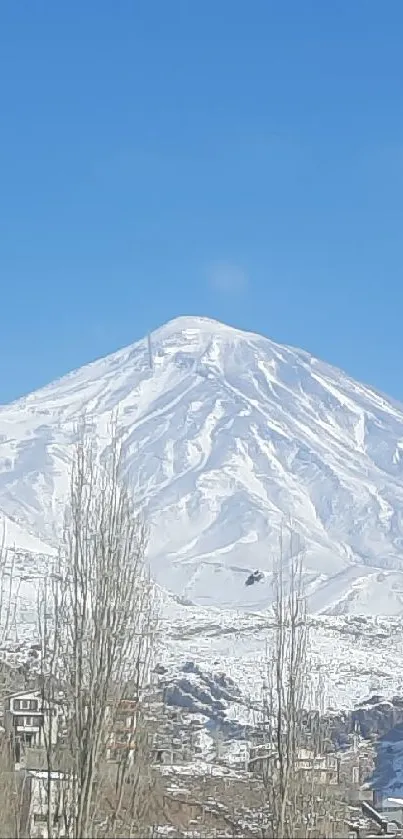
column 301, row 786
column 10, row 792
column 8, row 599
column 97, row 627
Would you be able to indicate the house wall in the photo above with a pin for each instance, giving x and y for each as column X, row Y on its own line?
column 24, row 702
column 60, row 804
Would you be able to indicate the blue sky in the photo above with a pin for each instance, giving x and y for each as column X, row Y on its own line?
column 238, row 160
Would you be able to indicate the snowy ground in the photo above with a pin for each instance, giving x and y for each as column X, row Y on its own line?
column 350, row 657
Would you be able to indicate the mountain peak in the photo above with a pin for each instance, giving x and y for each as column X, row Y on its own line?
column 194, row 324
column 227, row 436
column 182, row 322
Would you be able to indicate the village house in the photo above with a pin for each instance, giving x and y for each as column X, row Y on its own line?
column 324, row 768
column 41, row 790
column 356, row 766
column 28, row 721
column 123, row 726
column 165, row 731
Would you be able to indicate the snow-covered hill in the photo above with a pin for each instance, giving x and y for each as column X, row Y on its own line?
column 228, row 434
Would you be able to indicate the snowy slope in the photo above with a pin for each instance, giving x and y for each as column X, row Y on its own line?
column 227, row 434
column 351, row 657
column 214, row 660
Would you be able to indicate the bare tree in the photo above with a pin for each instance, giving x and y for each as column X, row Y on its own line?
column 10, row 789
column 8, row 605
column 299, row 775
column 97, row 627
column 10, row 793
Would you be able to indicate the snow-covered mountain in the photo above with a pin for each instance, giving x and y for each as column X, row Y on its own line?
column 228, row 434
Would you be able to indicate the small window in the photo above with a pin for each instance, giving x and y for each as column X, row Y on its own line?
column 22, row 721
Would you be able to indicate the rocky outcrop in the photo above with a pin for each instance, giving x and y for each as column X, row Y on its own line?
column 371, row 720
column 212, row 695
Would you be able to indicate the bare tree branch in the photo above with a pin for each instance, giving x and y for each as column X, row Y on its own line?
column 97, row 646
column 300, row 783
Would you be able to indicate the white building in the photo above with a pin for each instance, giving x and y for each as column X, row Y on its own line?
column 37, row 786
column 29, row 721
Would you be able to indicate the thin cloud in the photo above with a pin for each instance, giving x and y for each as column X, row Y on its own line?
column 227, row 278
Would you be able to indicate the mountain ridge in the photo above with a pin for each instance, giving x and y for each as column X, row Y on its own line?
column 192, row 322
column 227, row 435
